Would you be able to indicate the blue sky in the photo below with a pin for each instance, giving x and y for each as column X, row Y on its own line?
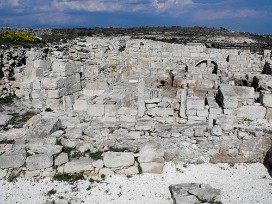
column 253, row 16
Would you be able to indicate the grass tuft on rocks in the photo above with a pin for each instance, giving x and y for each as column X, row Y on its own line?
column 69, row 177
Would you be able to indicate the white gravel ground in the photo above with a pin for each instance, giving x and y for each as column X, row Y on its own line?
column 241, row 183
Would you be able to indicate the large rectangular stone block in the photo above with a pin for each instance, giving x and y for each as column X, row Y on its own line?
column 227, row 96
column 251, row 112
column 65, row 68
column 96, row 110
column 244, row 92
column 80, row 105
column 266, row 99
column 52, row 83
column 161, row 112
column 195, row 103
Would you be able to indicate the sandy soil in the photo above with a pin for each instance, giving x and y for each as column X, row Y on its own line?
column 241, row 183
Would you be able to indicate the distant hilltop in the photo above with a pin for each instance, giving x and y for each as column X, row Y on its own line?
column 213, row 37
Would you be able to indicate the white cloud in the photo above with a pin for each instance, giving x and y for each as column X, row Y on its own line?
column 14, row 3
column 224, row 14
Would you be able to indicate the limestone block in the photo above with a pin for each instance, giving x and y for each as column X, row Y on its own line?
column 65, row 68
column 39, row 161
column 43, row 127
column 225, row 122
column 43, row 64
column 53, row 104
column 160, row 112
column 143, row 125
column 37, row 84
column 151, row 152
column 78, row 165
column 61, row 159
column 126, row 118
column 69, row 122
column 127, row 111
column 227, row 96
column 72, row 84
column 96, row 110
column 134, row 135
column 118, row 159
column 106, row 172
column 266, row 99
column 202, row 113
column 52, row 83
column 4, row 119
column 80, row 105
column 190, row 193
column 216, row 111
column 45, row 149
column 98, row 163
column 12, row 160
column 153, row 167
column 244, row 92
column 251, row 112
column 97, row 85
column 133, row 170
column 195, row 103
column 269, row 114
column 110, row 110
column 183, row 98
column 54, row 94
column 216, row 130
column 68, row 102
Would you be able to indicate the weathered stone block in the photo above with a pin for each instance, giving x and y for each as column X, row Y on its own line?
column 244, row 92
column 225, row 122
column 227, row 96
column 65, row 68
column 127, row 111
column 266, row 99
column 96, row 110
column 251, row 112
column 118, row 159
column 43, row 127
column 151, row 152
column 80, row 105
column 4, row 119
column 12, row 160
column 160, row 112
column 195, row 103
column 153, row 167
column 61, row 159
column 52, row 83
column 39, row 161
column 78, row 165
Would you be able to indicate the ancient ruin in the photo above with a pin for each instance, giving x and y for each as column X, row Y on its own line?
column 120, row 105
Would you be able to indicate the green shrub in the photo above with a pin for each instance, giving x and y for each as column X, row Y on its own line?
column 69, row 177
column 96, row 155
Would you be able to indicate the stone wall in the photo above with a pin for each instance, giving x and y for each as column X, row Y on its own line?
column 200, row 104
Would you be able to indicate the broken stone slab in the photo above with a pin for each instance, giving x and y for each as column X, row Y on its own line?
column 4, row 119
column 78, row 165
column 151, row 152
column 118, row 159
column 193, row 193
column 43, row 126
column 39, row 161
column 227, row 96
column 251, row 112
column 127, row 111
column 12, row 160
column 266, row 99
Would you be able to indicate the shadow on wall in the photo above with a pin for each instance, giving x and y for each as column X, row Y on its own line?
column 268, row 161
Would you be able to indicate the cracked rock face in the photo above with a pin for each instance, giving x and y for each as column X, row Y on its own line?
column 192, row 193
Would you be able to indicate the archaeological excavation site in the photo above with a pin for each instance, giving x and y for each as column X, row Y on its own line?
column 130, row 104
